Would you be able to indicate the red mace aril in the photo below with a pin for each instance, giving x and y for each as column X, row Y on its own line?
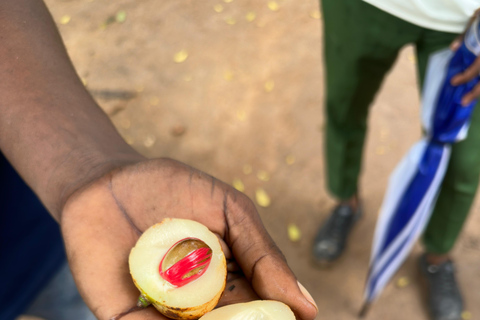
column 185, row 262
column 179, row 267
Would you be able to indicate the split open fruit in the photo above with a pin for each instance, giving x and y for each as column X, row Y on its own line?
column 255, row 310
column 179, row 266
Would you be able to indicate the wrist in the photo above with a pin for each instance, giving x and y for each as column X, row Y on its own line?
column 79, row 169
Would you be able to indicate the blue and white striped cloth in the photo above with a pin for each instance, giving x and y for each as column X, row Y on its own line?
column 415, row 183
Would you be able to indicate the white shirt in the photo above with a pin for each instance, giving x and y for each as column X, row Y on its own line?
column 441, row 15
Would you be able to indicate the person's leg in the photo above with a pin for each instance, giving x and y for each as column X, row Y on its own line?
column 60, row 300
column 361, row 44
column 453, row 204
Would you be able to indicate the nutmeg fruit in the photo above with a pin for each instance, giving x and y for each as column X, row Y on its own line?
column 255, row 310
column 179, row 267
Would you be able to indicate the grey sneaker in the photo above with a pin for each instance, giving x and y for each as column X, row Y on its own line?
column 331, row 238
column 445, row 300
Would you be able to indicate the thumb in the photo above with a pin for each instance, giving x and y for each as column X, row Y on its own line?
column 262, row 262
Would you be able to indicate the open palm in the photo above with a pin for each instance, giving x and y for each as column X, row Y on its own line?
column 102, row 222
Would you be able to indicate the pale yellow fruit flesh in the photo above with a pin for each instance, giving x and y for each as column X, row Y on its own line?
column 255, row 310
column 192, row 300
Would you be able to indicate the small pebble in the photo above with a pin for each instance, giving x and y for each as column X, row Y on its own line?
column 178, row 131
column 149, row 141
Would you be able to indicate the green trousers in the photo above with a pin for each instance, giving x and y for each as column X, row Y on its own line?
column 361, row 45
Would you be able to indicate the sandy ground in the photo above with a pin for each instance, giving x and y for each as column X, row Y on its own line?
column 246, row 92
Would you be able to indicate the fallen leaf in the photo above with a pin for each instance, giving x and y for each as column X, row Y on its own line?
column 227, row 1
column 231, row 21
column 241, row 115
column 107, row 22
column 65, row 19
column 84, row 81
column 411, row 58
column 263, row 200
column 294, row 233
column 380, row 150
column 178, row 131
column 154, row 101
column 250, row 16
column 238, row 184
column 218, row 8
column 180, row 56
column 228, row 75
column 247, row 169
column 466, row 315
column 263, row 175
column 403, row 282
column 273, row 5
column 290, row 159
column 315, row 14
column 269, row 85
column 121, row 16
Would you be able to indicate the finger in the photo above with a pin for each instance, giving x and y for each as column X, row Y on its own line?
column 225, row 248
column 456, row 43
column 149, row 313
column 262, row 262
column 469, row 74
column 232, row 266
column 471, row 96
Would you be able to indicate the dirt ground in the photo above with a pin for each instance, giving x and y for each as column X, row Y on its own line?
column 232, row 85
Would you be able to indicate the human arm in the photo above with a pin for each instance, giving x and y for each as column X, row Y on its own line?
column 102, row 192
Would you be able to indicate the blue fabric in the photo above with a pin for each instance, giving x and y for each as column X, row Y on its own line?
column 414, row 193
column 450, row 118
column 31, row 247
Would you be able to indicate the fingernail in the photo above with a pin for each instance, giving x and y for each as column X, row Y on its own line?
column 307, row 295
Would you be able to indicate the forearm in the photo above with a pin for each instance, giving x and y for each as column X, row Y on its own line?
column 51, row 129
